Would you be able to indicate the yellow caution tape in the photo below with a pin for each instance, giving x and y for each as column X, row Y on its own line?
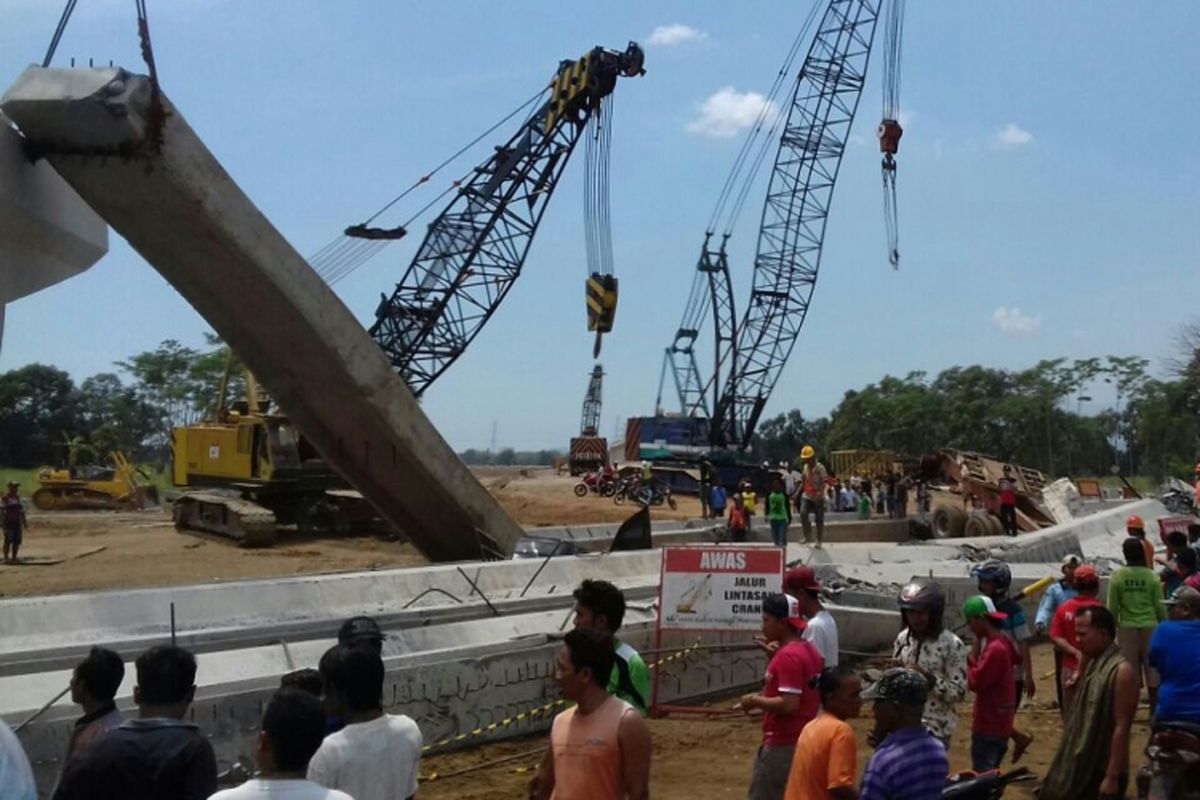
column 534, row 712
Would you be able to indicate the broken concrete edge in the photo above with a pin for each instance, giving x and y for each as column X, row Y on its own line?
column 183, row 213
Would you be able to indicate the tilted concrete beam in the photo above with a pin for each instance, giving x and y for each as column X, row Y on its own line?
column 185, row 215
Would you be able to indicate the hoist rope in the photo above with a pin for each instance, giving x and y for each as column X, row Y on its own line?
column 344, row 254
column 58, row 32
column 756, row 131
column 597, row 219
column 893, row 41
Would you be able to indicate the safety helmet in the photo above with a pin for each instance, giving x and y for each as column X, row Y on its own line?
column 995, row 571
column 807, row 452
column 1135, row 522
column 923, row 596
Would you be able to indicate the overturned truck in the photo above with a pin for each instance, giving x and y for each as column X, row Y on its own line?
column 964, row 493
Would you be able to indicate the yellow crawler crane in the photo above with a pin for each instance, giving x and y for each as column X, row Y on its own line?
column 83, row 488
column 248, row 471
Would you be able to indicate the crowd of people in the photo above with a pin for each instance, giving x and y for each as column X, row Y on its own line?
column 807, row 490
column 324, row 734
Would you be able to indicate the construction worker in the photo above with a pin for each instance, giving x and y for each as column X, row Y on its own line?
column 1008, row 502
column 706, row 482
column 1136, row 528
column 12, row 514
column 812, row 491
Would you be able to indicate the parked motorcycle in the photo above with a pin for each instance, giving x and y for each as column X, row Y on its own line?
column 988, row 785
column 1174, row 769
column 596, row 483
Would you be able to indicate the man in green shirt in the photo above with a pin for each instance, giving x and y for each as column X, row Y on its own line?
column 1135, row 599
column 601, row 606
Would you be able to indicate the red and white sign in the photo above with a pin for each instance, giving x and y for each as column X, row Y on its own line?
column 1168, row 524
column 717, row 587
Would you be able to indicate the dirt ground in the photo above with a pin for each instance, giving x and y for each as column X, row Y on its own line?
column 697, row 758
column 108, row 550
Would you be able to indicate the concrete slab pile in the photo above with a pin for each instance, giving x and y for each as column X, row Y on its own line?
column 185, row 215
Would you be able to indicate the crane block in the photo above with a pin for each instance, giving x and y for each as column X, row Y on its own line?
column 601, row 302
column 889, row 133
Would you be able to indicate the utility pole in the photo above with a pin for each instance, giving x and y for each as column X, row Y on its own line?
column 492, row 448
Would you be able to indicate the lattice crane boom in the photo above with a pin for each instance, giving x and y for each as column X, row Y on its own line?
column 474, row 250
column 589, row 423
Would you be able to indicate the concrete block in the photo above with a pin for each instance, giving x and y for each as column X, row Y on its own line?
column 185, row 215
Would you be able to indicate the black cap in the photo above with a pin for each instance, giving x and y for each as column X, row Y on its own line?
column 359, row 629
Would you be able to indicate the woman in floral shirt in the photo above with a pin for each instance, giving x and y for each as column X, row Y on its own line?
column 926, row 646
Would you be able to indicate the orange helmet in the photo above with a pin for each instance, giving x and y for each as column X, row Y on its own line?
column 1135, row 522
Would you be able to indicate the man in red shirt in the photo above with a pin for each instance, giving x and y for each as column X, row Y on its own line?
column 1008, row 502
column 991, row 677
column 1064, row 636
column 789, row 699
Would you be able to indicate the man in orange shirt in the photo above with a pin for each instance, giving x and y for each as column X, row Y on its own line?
column 599, row 748
column 826, row 759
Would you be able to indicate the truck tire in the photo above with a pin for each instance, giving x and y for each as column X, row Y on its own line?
column 995, row 526
column 949, row 522
column 978, row 525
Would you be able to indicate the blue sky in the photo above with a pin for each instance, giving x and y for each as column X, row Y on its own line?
column 1048, row 174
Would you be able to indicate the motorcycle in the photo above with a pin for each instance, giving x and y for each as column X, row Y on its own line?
column 1174, row 769
column 988, row 785
column 596, row 483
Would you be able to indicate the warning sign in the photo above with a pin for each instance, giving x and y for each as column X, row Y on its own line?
column 718, row 587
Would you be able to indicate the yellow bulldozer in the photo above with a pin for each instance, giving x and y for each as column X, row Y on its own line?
column 92, row 487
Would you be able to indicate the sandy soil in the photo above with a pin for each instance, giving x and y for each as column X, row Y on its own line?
column 143, row 549
column 695, row 758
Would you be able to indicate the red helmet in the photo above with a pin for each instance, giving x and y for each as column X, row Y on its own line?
column 1135, row 522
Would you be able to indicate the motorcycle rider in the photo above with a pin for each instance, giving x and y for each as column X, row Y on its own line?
column 926, row 646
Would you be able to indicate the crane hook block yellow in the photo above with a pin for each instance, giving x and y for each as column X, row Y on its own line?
column 601, row 302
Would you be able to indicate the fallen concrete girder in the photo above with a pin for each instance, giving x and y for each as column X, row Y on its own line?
column 184, row 214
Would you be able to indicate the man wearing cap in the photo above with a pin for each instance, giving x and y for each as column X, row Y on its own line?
column 789, row 699
column 801, row 583
column 1008, row 501
column 909, row 761
column 12, row 514
column 812, row 494
column 1059, row 592
column 990, row 676
column 1092, row 760
column 1175, row 654
column 1062, row 633
column 361, row 632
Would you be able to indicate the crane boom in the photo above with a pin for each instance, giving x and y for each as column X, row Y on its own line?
column 589, row 423
column 823, row 104
column 474, row 250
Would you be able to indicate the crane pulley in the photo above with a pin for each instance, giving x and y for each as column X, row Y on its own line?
column 889, row 130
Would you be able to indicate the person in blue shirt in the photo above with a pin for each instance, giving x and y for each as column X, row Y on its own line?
column 716, row 501
column 1175, row 653
column 1059, row 592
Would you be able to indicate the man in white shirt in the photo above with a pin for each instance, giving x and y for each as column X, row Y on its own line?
column 375, row 757
column 292, row 729
column 801, row 583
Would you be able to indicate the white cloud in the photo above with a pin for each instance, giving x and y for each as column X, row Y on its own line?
column 1012, row 136
column 1013, row 321
column 675, row 34
column 728, row 112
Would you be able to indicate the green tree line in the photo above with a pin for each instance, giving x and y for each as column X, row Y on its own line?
column 1032, row 416
column 132, row 408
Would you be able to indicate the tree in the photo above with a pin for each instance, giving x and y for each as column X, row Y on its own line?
column 38, row 406
column 115, row 416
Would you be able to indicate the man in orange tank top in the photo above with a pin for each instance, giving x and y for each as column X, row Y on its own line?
column 600, row 747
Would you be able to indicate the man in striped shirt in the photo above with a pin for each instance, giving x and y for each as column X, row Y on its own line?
column 910, row 763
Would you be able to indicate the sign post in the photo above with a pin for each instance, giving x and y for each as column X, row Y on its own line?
column 715, row 589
